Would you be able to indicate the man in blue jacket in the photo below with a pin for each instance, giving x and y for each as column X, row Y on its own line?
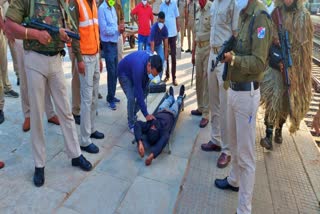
column 135, row 71
column 158, row 131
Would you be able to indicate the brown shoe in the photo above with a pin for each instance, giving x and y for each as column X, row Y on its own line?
column 196, row 112
column 203, row 123
column 210, row 146
column 26, row 124
column 1, row 164
column 223, row 160
column 54, row 120
column 175, row 83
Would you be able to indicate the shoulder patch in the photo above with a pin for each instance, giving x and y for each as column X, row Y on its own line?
column 261, row 32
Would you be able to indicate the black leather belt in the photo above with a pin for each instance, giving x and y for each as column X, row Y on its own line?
column 243, row 86
column 48, row 53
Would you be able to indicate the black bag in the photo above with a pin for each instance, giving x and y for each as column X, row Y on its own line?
column 275, row 56
column 157, row 88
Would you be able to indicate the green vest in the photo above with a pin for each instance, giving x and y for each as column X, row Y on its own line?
column 49, row 12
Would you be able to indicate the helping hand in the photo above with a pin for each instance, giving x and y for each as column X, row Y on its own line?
column 150, row 117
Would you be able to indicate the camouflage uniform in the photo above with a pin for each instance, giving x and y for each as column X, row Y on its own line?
column 43, row 65
column 297, row 22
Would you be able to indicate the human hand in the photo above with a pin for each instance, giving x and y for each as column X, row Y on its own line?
column 150, row 117
column 81, row 68
column 43, row 37
column 227, row 57
column 121, row 28
column 101, row 65
column 193, row 58
column 63, row 35
column 316, row 123
column 164, row 66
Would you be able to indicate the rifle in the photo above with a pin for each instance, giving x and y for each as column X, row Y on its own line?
column 286, row 55
column 226, row 47
column 35, row 23
column 192, row 75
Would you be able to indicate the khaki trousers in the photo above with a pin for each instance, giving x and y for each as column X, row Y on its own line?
column 14, row 58
column 218, row 99
column 120, row 48
column 48, row 72
column 190, row 30
column 242, row 110
column 182, row 29
column 18, row 48
column 3, row 65
column 89, row 86
column 202, row 56
column 75, row 84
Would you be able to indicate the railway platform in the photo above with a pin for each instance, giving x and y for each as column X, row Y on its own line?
column 287, row 179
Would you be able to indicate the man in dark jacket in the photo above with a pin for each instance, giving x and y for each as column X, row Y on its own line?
column 158, row 131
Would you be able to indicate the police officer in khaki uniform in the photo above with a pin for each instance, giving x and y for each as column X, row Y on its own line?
column 182, row 6
column 246, row 65
column 200, row 56
column 43, row 65
column 224, row 23
column 7, row 87
column 190, row 17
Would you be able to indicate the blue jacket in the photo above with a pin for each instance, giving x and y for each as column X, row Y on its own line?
column 134, row 67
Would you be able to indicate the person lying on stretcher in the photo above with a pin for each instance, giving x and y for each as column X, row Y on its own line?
column 158, row 131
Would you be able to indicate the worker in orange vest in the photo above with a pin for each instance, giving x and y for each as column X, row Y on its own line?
column 86, row 51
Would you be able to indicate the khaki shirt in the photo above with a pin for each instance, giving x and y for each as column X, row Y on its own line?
column 202, row 23
column 182, row 4
column 191, row 10
column 251, row 56
column 224, row 20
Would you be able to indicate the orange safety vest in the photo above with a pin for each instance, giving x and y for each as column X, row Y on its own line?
column 88, row 28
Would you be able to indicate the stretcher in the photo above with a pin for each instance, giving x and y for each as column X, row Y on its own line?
column 181, row 108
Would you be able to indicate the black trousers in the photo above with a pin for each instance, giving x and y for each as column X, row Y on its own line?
column 173, row 46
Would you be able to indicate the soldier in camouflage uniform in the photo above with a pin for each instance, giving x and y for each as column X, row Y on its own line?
column 296, row 20
column 43, row 65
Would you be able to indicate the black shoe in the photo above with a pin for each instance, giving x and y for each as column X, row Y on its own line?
column 92, row 148
column 171, row 93
column 81, row 162
column 100, row 96
column 38, row 177
column 77, row 119
column 266, row 143
column 11, row 93
column 278, row 136
column 1, row 116
column 182, row 50
column 18, row 81
column 97, row 135
column 181, row 92
column 223, row 184
column 188, row 51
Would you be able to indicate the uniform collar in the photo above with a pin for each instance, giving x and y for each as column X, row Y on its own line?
column 250, row 10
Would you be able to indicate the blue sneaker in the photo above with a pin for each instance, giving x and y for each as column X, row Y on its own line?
column 112, row 105
column 116, row 100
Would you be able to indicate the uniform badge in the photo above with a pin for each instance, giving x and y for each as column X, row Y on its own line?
column 261, row 32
